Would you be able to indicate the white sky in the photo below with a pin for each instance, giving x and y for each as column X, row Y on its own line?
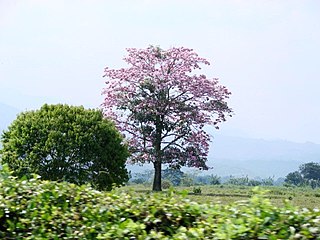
column 266, row 52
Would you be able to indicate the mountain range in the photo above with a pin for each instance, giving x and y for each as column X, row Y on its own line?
column 239, row 156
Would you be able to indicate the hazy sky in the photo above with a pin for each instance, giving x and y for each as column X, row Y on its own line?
column 266, row 52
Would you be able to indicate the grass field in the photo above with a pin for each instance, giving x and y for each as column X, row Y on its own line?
column 225, row 194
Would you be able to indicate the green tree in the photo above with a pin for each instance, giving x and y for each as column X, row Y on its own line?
column 215, row 180
column 310, row 171
column 295, row 178
column 268, row 181
column 173, row 175
column 66, row 143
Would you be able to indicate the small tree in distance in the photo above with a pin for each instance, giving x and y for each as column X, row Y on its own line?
column 295, row 178
column 163, row 106
column 308, row 174
column 310, row 170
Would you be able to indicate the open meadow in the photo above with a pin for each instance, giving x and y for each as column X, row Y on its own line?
column 302, row 197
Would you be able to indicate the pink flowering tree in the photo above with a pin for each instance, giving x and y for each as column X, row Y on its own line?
column 162, row 106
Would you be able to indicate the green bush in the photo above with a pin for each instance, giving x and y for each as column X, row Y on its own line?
column 36, row 209
column 66, row 143
column 166, row 184
column 197, row 190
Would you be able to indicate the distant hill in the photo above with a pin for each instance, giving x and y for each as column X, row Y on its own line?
column 257, row 157
column 250, row 157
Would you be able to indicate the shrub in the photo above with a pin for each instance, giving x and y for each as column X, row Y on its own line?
column 165, row 184
column 173, row 175
column 215, row 180
column 61, row 142
column 35, row 209
column 197, row 190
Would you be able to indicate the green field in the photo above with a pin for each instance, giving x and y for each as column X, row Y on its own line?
column 225, row 194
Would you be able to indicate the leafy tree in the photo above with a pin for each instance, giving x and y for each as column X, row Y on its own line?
column 163, row 106
column 61, row 142
column 215, row 180
column 314, row 183
column 295, row 178
column 239, row 180
column 308, row 174
column 142, row 177
column 310, row 171
column 279, row 181
column 173, row 175
column 187, row 180
column 268, row 181
column 254, row 182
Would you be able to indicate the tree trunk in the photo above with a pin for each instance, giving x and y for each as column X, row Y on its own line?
column 157, row 176
column 158, row 161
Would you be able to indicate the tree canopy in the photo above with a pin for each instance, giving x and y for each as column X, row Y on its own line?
column 163, row 105
column 61, row 142
column 308, row 174
column 310, row 170
column 294, row 178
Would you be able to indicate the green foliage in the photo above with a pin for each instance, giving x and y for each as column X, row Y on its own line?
column 138, row 181
column 197, row 190
column 187, row 180
column 295, row 178
column 166, row 184
column 310, row 171
column 308, row 175
column 245, row 181
column 35, row 209
column 215, row 180
column 173, row 175
column 268, row 181
column 66, row 143
column 144, row 177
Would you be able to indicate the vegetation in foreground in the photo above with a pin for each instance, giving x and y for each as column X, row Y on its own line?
column 36, row 209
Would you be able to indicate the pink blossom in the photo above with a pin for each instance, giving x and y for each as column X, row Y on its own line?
column 162, row 106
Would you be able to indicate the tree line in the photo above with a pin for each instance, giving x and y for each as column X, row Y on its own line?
column 176, row 177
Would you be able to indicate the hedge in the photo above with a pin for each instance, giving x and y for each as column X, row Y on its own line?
column 36, row 209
